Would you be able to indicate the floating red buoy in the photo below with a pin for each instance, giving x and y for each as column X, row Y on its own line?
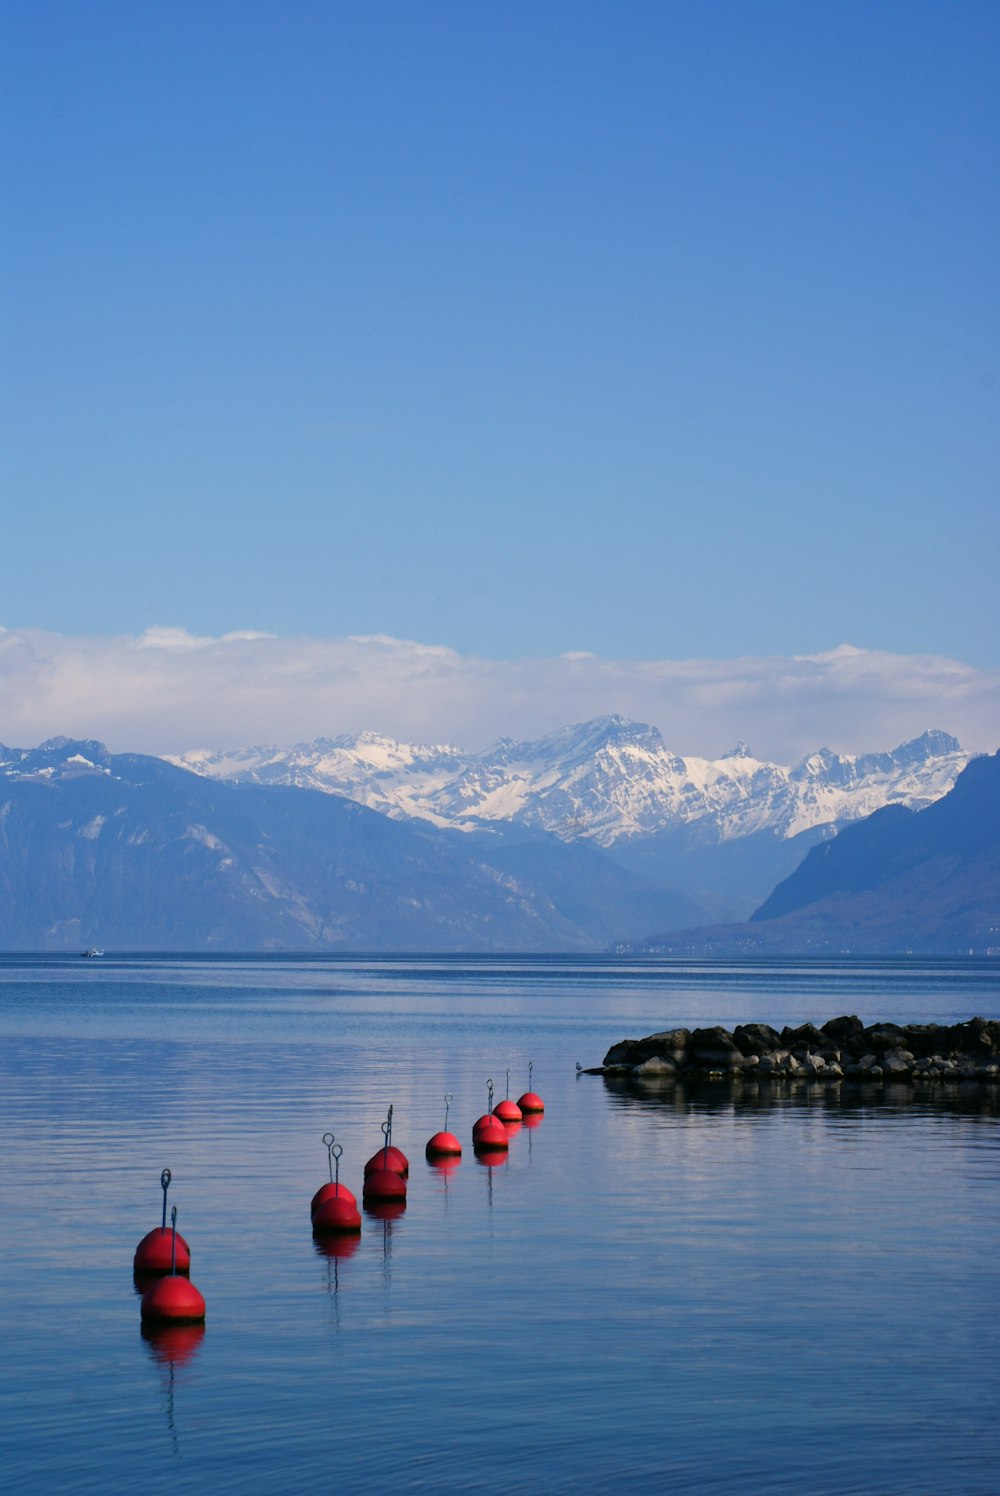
column 331, row 1192
column 334, row 1190
column 158, row 1252
column 507, row 1110
column 489, row 1126
column 387, row 1156
column 392, row 1159
column 173, row 1300
column 444, row 1144
column 336, row 1214
column 492, row 1137
column 384, row 1184
column 530, row 1101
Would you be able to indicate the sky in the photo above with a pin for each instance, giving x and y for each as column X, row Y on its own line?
column 578, row 345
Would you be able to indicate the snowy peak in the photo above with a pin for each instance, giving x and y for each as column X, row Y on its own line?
column 56, row 758
column 609, row 779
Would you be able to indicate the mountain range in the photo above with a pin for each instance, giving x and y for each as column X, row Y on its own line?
column 133, row 852
column 724, row 831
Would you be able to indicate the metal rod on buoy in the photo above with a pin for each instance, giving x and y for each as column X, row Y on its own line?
column 329, row 1140
column 173, row 1233
column 448, row 1099
column 165, row 1185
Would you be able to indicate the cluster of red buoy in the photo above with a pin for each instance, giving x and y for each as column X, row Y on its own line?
column 165, row 1256
column 334, row 1209
column 162, row 1262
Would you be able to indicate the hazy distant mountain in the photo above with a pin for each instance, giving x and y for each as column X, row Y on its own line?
column 924, row 881
column 128, row 852
column 724, row 829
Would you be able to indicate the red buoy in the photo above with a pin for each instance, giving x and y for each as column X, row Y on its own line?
column 156, row 1252
column 173, row 1299
column 388, row 1158
column 334, row 1190
column 492, row 1137
column 530, row 1101
column 444, row 1144
column 336, row 1214
column 159, row 1252
column 507, row 1110
column 384, row 1184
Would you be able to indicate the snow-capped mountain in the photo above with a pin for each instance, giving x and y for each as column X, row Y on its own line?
column 610, row 780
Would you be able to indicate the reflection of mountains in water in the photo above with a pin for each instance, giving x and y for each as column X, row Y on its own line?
column 690, row 1094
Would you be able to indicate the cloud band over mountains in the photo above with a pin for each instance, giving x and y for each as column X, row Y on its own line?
column 166, row 691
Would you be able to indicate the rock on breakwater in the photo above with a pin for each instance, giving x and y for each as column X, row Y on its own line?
column 841, row 1049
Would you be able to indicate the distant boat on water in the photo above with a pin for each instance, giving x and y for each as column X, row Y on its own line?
column 92, row 951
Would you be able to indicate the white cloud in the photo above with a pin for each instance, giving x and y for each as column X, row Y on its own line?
column 166, row 691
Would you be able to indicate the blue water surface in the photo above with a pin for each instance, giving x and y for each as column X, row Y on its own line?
column 714, row 1290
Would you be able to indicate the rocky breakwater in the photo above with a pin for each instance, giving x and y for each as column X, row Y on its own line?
column 842, row 1049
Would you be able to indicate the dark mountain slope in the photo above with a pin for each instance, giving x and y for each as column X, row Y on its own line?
column 923, row 881
column 130, row 852
column 895, row 843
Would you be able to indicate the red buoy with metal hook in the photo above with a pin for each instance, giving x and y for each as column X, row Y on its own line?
column 530, row 1101
column 162, row 1250
column 387, row 1156
column 488, row 1132
column 444, row 1144
column 507, row 1110
column 334, row 1207
column 381, row 1181
column 174, row 1299
column 334, row 1190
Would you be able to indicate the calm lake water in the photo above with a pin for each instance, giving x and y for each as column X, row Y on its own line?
column 707, row 1292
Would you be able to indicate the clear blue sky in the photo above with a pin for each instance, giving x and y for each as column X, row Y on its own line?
column 649, row 329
